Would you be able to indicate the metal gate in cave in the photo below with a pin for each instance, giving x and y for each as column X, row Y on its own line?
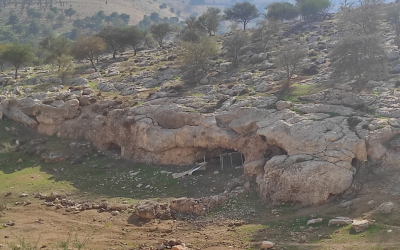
column 231, row 160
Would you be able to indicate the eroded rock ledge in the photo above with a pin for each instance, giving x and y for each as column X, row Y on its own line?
column 293, row 157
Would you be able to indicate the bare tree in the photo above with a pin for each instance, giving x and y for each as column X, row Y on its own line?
column 362, row 19
column 289, row 58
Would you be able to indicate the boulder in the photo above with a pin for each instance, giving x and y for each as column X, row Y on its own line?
column 204, row 81
column 262, row 87
column 313, row 221
column 78, row 81
column 89, row 71
column 360, row 225
column 266, row 65
column 299, row 178
column 393, row 55
column 257, row 58
column 340, row 221
column 87, row 91
column 267, row 245
column 320, row 60
column 280, row 105
column 106, row 87
column 254, row 168
column 112, row 73
column 147, row 209
column 396, row 69
column 387, row 207
column 149, row 82
column 93, row 76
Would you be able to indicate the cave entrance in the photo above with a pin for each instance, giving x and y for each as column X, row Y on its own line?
column 112, row 148
column 231, row 160
column 274, row 151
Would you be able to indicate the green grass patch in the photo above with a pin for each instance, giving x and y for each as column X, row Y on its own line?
column 302, row 90
column 294, row 109
column 92, row 85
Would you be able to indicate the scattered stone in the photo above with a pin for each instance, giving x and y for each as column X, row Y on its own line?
column 340, row 221
column 313, row 221
column 346, row 204
column 114, row 213
column 267, row 245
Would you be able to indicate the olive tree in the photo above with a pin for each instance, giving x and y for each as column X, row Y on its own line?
column 56, row 47
column 265, row 30
column 356, row 56
column 135, row 38
column 209, row 21
column 281, row 11
column 235, row 45
column 310, row 9
column 242, row 13
column 159, row 31
column 290, row 58
column 89, row 48
column 114, row 37
column 197, row 57
column 18, row 55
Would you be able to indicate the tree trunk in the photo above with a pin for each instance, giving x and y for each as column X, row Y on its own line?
column 244, row 25
column 94, row 67
column 114, row 54
column 16, row 73
column 359, row 82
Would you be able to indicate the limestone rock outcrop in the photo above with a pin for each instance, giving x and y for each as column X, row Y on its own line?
column 313, row 159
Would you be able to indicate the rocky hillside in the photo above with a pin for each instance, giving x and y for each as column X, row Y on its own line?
column 321, row 139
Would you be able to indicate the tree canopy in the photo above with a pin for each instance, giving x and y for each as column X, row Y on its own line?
column 17, row 55
column 159, row 31
column 88, row 48
column 242, row 13
column 114, row 37
column 281, row 11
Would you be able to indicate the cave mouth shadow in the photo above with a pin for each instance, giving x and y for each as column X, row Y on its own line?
column 112, row 148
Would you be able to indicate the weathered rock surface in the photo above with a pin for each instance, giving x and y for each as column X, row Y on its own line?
column 387, row 207
column 340, row 221
column 315, row 160
column 147, row 209
column 360, row 225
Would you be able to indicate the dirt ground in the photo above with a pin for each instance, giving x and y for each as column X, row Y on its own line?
column 90, row 175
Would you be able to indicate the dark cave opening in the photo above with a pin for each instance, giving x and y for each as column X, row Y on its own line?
column 112, row 148
column 274, row 151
